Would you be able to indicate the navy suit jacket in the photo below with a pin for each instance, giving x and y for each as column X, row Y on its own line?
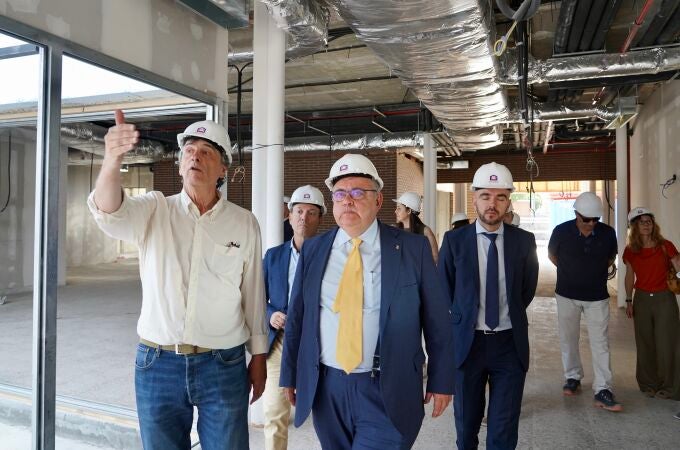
column 411, row 302
column 459, row 273
column 276, row 262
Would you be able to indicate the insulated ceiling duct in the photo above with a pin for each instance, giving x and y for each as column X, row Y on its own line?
column 90, row 138
column 442, row 51
column 569, row 68
column 352, row 142
column 304, row 21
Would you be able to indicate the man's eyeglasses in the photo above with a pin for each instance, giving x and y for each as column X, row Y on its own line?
column 588, row 219
column 356, row 194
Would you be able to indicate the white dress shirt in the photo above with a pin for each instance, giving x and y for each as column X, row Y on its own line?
column 202, row 281
column 292, row 266
column 483, row 244
column 329, row 320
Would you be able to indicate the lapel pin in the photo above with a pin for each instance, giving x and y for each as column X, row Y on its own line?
column 396, row 247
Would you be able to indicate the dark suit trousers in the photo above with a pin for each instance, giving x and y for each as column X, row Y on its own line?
column 492, row 359
column 348, row 413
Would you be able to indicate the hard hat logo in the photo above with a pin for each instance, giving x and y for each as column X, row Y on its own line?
column 344, row 167
column 307, row 196
column 200, row 130
column 493, row 178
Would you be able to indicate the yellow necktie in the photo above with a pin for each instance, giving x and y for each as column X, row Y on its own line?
column 349, row 302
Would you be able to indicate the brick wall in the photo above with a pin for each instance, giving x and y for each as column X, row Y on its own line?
column 166, row 177
column 401, row 174
column 553, row 166
column 409, row 175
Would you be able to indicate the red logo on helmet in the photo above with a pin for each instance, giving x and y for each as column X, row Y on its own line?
column 493, row 178
column 307, row 196
column 200, row 130
column 344, row 167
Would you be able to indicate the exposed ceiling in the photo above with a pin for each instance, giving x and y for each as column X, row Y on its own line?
column 345, row 88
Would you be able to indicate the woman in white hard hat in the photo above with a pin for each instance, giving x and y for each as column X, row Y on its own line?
column 459, row 220
column 653, row 307
column 407, row 211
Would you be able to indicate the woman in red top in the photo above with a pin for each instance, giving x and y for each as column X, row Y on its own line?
column 653, row 306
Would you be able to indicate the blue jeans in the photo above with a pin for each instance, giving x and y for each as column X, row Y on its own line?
column 168, row 386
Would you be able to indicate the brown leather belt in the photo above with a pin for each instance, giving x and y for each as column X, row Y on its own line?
column 180, row 349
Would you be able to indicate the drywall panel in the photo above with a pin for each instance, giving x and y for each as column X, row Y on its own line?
column 161, row 36
column 655, row 157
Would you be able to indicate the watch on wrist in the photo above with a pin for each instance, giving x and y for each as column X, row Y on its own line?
column 677, row 274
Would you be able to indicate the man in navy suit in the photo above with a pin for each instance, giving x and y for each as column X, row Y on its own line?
column 306, row 207
column 365, row 388
column 490, row 271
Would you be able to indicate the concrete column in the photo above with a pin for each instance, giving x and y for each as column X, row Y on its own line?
column 260, row 116
column 430, row 181
column 460, row 196
column 268, row 104
column 592, row 186
column 276, row 79
column 621, row 207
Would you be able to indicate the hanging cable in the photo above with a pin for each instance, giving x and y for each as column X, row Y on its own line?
column 667, row 184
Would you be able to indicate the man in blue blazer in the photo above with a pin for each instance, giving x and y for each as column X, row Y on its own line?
column 365, row 387
column 306, row 207
column 490, row 272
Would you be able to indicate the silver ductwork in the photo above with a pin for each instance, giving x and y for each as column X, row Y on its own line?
column 570, row 68
column 544, row 112
column 90, row 138
column 351, row 142
column 442, row 51
column 304, row 21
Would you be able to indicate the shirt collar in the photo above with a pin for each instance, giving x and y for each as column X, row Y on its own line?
column 187, row 203
column 578, row 232
column 292, row 246
column 480, row 229
column 369, row 236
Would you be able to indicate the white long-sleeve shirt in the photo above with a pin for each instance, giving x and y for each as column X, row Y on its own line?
column 202, row 279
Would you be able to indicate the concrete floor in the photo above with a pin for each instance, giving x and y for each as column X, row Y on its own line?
column 97, row 316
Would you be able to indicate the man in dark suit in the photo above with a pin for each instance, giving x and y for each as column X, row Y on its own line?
column 490, row 271
column 306, row 207
column 363, row 294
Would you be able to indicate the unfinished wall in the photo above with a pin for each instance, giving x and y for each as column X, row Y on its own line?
column 655, row 157
column 17, row 211
column 160, row 36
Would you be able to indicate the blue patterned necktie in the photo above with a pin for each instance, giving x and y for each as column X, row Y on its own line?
column 491, row 308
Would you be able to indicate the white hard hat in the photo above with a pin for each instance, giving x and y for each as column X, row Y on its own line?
column 588, row 205
column 410, row 200
column 639, row 211
column 515, row 219
column 352, row 164
column 211, row 131
column 459, row 216
column 307, row 194
column 492, row 176
column 286, row 199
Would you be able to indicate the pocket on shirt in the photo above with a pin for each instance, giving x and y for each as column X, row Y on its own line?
column 227, row 262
